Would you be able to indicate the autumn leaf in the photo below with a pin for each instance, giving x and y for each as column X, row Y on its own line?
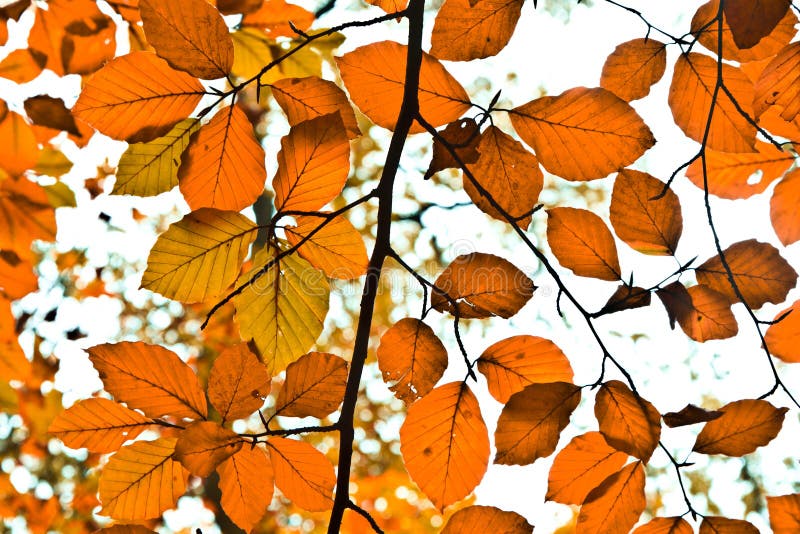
column 626, row 297
column 137, row 98
column 44, row 110
column 411, row 358
column 27, row 215
column 628, row 422
column 314, row 386
column 303, row 99
column 782, row 206
column 633, row 67
column 689, row 415
column 274, row 16
column 374, row 75
column 582, row 243
column 18, row 146
column 784, row 513
column 463, row 137
column 481, row 285
column 744, row 426
column 149, row 378
column 127, row 529
column 760, row 272
column 100, row 425
column 480, row 519
column 609, row 131
column 337, row 248
column 22, row 65
column 142, row 480
column 198, row 257
column 17, row 278
column 665, row 525
column 702, row 312
column 531, row 422
column 445, row 443
column 302, row 473
column 777, row 85
column 472, row 29
column 752, row 21
column 246, row 484
column 203, row 445
column 723, row 525
column 519, row 361
column 581, row 466
column 616, row 504
column 782, row 337
column 13, row 363
column 190, row 34
column 238, row 383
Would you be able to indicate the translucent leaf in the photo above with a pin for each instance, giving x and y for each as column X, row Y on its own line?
column 784, row 513
column 481, row 519
column 744, row 426
column 246, row 484
column 628, row 422
column 581, row 466
column 314, row 386
column 238, row 383
column 616, row 504
column 467, row 29
column 633, row 67
column 100, row 425
column 783, row 338
column 203, row 445
column 337, row 248
column 302, row 473
column 307, row 98
column 582, row 243
column 783, row 208
column 702, row 312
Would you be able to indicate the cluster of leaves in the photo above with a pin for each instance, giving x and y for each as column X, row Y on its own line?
column 179, row 98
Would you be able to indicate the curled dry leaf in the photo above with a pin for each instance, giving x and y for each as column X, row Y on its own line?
column 626, row 297
column 690, row 415
column 463, row 137
column 481, row 519
column 616, row 504
column 582, row 243
column 633, row 67
column 204, row 445
column 628, row 422
column 744, row 426
column 238, row 383
column 314, row 386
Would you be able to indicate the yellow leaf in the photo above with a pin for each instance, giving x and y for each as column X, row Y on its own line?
column 473, row 29
column 100, row 425
column 238, row 383
column 302, row 473
column 314, row 386
column 336, row 248
column 204, row 445
column 246, row 483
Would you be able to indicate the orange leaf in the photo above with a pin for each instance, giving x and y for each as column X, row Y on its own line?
column 730, row 175
column 609, row 131
column 482, row 519
column 633, row 67
column 744, row 426
column 783, row 338
column 22, row 65
column 26, row 214
column 204, row 445
column 223, row 166
column 375, row 78
column 751, row 21
column 784, row 513
column 149, row 378
column 482, row 285
column 616, row 504
column 190, row 34
column 313, row 164
column 13, row 363
column 19, row 150
column 238, row 383
column 307, row 98
column 314, row 386
column 531, row 422
column 246, row 484
column 690, row 99
column 127, row 529
column 759, row 270
column 17, row 278
column 445, row 443
column 783, row 208
column 302, row 473
column 389, row 6
column 100, row 425
column 665, row 525
column 778, row 84
column 518, row 361
column 628, row 422
column 649, row 226
column 463, row 136
column 337, row 248
column 137, row 98
column 702, row 312
column 274, row 16
column 142, row 480
column 582, row 243
column 471, row 29
column 689, row 415
column 412, row 357
column 509, row 173
column 723, row 525
column 626, row 297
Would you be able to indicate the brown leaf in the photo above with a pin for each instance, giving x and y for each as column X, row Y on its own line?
column 626, row 298
column 723, row 525
column 633, row 67
column 703, row 313
column 582, row 243
column 204, row 445
column 100, row 425
column 744, row 426
column 784, row 513
column 246, row 483
column 783, row 338
column 471, row 29
column 314, row 386
column 463, row 137
column 238, row 383
column 302, row 473
column 752, row 20
column 616, row 504
column 628, row 422
column 783, row 208
column 45, row 110
column 482, row 519
column 689, row 415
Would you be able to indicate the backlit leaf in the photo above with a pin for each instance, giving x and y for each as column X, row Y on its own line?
column 616, row 504
column 198, row 257
column 473, row 29
column 137, row 98
column 463, row 136
column 204, row 445
column 778, row 84
column 783, row 338
column 337, row 248
column 374, row 75
column 689, row 415
column 27, row 215
column 302, row 473
column 246, row 484
column 744, row 426
column 284, row 311
column 252, row 51
column 17, row 277
column 518, row 361
column 784, row 513
column 626, row 298
column 759, row 270
column 582, row 243
column 100, row 425
column 723, row 525
column 223, row 166
column 307, row 98
column 149, row 378
column 702, row 312
column 628, row 422
column 274, row 16
column 238, row 383
column 445, row 443
column 482, row 285
column 411, row 358
column 481, row 519
column 18, row 147
column 148, row 169
column 752, row 20
column 783, row 208
column 313, row 164
column 690, row 99
column 22, row 65
column 190, row 34
column 142, row 480
column 633, row 67
column 531, row 422
column 665, row 525
column 609, row 131
column 13, row 363
column 314, row 386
